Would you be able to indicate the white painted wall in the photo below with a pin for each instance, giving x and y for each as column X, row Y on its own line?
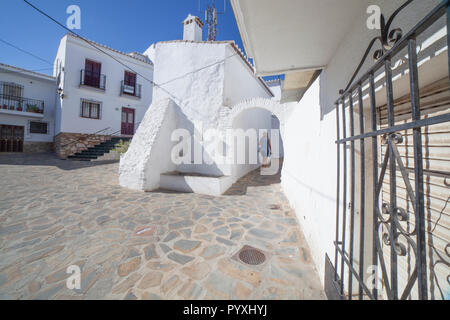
column 240, row 81
column 73, row 53
column 34, row 87
column 275, row 86
column 193, row 75
column 149, row 154
column 309, row 173
column 259, row 119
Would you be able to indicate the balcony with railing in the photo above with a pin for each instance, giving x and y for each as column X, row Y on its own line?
column 92, row 80
column 131, row 89
column 21, row 106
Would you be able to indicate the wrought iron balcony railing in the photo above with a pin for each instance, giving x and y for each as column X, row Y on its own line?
column 93, row 79
column 132, row 89
column 21, row 104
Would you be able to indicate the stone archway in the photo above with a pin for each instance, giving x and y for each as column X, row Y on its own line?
column 228, row 115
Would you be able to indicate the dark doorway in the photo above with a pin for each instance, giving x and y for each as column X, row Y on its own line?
column 127, row 121
column 11, row 138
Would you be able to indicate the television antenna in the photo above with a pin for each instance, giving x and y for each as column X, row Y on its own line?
column 211, row 17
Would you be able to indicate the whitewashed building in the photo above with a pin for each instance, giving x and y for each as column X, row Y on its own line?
column 27, row 110
column 197, row 86
column 98, row 96
column 376, row 201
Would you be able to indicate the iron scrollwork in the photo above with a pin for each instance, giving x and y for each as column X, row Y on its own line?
column 388, row 38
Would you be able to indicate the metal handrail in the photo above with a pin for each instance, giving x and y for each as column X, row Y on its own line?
column 90, row 134
column 92, row 79
column 112, row 134
column 135, row 128
column 20, row 104
column 137, row 89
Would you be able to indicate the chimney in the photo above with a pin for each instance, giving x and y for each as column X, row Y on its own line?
column 193, row 28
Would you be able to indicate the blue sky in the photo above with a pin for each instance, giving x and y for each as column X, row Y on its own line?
column 130, row 25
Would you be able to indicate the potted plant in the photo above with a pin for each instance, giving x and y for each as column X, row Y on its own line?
column 32, row 108
column 12, row 108
column 19, row 107
column 5, row 107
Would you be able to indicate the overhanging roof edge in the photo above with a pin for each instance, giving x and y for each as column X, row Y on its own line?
column 242, row 28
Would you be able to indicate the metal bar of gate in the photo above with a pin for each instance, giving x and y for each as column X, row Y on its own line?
column 380, row 224
column 421, row 257
column 344, row 209
column 392, row 178
column 402, row 127
column 338, row 196
column 363, row 192
column 423, row 25
column 373, row 111
column 448, row 35
column 352, row 195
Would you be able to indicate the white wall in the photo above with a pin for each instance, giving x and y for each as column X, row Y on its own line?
column 149, row 154
column 240, row 81
column 192, row 75
column 259, row 119
column 309, row 173
column 74, row 55
column 37, row 88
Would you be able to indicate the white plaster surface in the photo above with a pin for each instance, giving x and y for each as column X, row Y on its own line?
column 212, row 186
column 149, row 153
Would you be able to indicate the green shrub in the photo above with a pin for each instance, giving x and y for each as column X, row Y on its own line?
column 122, row 147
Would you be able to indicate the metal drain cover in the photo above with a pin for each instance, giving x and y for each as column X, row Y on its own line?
column 250, row 256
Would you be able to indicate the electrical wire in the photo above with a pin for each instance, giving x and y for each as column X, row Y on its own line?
column 24, row 51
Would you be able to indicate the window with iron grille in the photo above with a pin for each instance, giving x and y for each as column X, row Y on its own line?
column 12, row 90
column 38, row 127
column 90, row 109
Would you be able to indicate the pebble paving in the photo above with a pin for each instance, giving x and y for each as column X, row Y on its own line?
column 54, row 214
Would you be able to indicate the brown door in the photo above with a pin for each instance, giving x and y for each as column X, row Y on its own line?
column 92, row 73
column 127, row 121
column 11, row 138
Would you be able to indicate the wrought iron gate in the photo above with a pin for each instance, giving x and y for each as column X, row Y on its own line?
column 350, row 261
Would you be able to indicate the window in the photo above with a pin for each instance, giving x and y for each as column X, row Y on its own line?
column 38, row 127
column 90, row 110
column 129, row 82
column 92, row 73
column 130, row 79
column 12, row 90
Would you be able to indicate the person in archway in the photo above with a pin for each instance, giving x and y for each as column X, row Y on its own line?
column 265, row 148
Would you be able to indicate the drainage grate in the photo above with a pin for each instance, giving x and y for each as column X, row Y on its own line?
column 250, row 256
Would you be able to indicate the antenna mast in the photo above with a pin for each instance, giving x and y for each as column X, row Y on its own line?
column 211, row 18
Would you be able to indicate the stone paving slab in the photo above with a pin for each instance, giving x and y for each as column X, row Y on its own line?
column 54, row 214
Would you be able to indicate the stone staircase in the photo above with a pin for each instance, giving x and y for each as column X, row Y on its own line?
column 98, row 151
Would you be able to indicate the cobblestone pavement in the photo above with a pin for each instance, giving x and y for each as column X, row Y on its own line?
column 133, row 245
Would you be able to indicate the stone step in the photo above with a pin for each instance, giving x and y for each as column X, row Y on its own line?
column 194, row 183
column 99, row 151
column 83, row 157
